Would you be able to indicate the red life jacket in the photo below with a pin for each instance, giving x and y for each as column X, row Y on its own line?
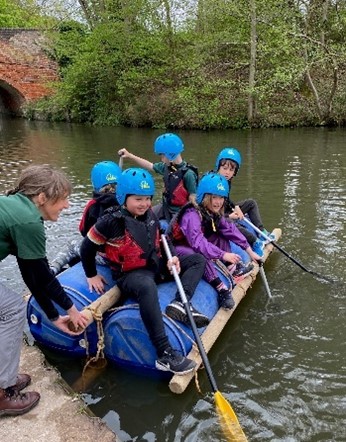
column 100, row 204
column 174, row 231
column 139, row 246
column 84, row 216
column 175, row 193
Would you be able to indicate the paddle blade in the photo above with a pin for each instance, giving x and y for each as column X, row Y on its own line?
column 228, row 419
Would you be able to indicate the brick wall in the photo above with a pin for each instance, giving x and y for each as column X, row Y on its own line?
column 25, row 69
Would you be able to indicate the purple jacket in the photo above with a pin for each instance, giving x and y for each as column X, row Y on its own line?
column 217, row 244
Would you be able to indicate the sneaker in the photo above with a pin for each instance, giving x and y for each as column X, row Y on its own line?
column 258, row 247
column 174, row 362
column 271, row 237
column 225, row 299
column 242, row 269
column 176, row 311
column 13, row 403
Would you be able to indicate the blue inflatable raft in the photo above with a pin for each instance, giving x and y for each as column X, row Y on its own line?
column 126, row 342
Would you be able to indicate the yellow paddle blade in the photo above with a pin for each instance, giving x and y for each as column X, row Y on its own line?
column 228, row 419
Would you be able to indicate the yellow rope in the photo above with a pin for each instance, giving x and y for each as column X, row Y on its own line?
column 100, row 342
column 198, row 387
column 176, row 323
column 194, row 346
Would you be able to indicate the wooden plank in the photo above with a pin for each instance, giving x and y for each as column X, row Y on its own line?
column 178, row 383
column 102, row 304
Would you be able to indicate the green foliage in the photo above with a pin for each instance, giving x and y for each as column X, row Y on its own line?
column 66, row 41
column 21, row 14
column 134, row 66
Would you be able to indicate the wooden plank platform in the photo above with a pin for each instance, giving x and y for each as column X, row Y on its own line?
column 178, row 384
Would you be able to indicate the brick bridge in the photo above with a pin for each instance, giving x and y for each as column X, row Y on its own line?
column 25, row 69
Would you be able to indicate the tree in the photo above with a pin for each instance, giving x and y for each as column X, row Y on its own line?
column 20, row 14
column 204, row 64
column 323, row 37
column 252, row 64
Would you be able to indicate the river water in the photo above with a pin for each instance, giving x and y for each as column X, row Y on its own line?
column 280, row 363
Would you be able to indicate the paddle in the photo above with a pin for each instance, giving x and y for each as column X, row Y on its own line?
column 299, row 264
column 229, row 421
column 121, row 162
column 265, row 281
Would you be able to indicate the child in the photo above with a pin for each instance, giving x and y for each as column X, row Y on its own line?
column 203, row 229
column 180, row 178
column 104, row 177
column 131, row 239
column 228, row 164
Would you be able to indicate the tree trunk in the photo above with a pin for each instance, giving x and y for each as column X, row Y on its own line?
column 200, row 23
column 324, row 20
column 169, row 25
column 324, row 110
column 252, row 68
column 88, row 15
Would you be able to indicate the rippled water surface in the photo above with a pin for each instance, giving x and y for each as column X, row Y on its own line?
column 280, row 363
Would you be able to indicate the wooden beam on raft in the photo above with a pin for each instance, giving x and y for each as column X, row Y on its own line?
column 102, row 304
column 179, row 383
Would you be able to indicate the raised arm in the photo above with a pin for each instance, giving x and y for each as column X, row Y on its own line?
column 145, row 164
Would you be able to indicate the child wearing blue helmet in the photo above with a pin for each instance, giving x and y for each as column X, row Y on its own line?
column 227, row 164
column 203, row 229
column 131, row 239
column 104, row 176
column 180, row 178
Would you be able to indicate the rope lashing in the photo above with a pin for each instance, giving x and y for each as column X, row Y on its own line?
column 97, row 315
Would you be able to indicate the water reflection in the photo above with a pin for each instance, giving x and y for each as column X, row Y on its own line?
column 280, row 363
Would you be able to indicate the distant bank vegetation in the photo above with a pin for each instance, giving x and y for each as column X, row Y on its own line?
column 199, row 64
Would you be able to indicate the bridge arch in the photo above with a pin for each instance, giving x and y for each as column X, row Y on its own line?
column 11, row 99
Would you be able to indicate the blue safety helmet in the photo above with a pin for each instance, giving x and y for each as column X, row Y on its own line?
column 104, row 173
column 134, row 181
column 214, row 184
column 229, row 153
column 169, row 145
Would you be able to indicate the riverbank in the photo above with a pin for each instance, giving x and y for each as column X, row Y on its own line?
column 60, row 416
